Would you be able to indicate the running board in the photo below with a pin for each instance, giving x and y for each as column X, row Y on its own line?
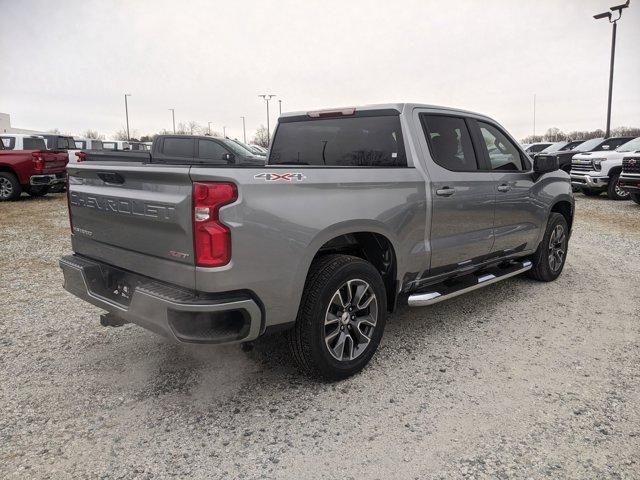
column 442, row 292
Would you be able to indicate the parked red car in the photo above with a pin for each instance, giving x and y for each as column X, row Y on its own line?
column 26, row 165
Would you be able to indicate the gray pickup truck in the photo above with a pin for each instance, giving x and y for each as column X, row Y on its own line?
column 356, row 210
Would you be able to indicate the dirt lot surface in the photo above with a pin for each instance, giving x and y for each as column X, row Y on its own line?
column 517, row 380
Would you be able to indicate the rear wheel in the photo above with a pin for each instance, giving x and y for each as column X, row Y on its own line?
column 38, row 190
column 548, row 261
column 591, row 193
column 10, row 188
column 636, row 197
column 341, row 317
column 614, row 190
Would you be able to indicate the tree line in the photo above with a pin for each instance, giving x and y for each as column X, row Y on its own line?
column 259, row 137
column 557, row 135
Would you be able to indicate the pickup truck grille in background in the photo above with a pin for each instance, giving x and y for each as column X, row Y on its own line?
column 631, row 165
column 582, row 166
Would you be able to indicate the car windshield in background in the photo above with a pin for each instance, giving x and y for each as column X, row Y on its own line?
column 356, row 141
column 33, row 143
column 554, row 147
column 235, row 148
column 589, row 145
column 244, row 147
column 570, row 145
column 611, row 144
column 631, row 146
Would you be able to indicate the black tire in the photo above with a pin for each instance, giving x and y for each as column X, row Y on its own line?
column 591, row 193
column 38, row 190
column 544, row 268
column 308, row 339
column 10, row 188
column 614, row 192
column 636, row 197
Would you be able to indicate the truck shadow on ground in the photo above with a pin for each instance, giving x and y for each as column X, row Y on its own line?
column 219, row 375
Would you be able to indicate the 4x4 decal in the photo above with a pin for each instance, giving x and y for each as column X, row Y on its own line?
column 274, row 177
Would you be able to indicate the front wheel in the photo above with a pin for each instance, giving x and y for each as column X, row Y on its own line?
column 636, row 197
column 341, row 317
column 10, row 188
column 548, row 261
column 614, row 190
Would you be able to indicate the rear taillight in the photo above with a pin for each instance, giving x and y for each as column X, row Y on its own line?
column 211, row 238
column 38, row 161
column 69, row 205
column 81, row 156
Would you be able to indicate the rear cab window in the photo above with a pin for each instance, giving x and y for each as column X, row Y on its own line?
column 33, row 143
column 366, row 140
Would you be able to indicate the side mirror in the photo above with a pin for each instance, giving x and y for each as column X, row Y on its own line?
column 545, row 164
column 229, row 157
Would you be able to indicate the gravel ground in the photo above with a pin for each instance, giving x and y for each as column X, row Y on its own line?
column 518, row 380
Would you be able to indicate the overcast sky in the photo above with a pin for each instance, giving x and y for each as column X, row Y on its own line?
column 67, row 64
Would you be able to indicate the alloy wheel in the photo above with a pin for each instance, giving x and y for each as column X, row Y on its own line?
column 557, row 248
column 350, row 320
column 6, row 188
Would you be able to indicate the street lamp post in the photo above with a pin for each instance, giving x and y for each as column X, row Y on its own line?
column 209, row 128
column 224, row 132
column 614, row 22
column 173, row 115
column 267, row 97
column 126, row 112
column 534, row 117
column 280, row 107
column 244, row 131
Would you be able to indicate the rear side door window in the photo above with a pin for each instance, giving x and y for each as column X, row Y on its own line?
column 450, row 142
column 178, row 147
column 502, row 153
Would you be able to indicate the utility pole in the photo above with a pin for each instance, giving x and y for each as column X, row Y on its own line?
column 267, row 97
column 173, row 114
column 534, row 117
column 614, row 22
column 126, row 112
column 244, row 131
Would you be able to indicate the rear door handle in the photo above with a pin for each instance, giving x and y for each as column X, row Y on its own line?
column 504, row 188
column 445, row 192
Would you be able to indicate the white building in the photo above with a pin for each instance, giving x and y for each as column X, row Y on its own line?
column 5, row 126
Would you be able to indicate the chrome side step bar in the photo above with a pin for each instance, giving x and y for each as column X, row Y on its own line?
column 441, row 292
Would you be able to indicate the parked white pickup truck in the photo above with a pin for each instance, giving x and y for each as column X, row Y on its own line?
column 83, row 144
column 596, row 172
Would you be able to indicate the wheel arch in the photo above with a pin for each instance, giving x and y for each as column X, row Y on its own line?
column 367, row 240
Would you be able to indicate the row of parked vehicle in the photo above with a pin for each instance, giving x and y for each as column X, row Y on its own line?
column 36, row 164
column 597, row 165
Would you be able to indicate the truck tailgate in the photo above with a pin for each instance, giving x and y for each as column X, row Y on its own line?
column 54, row 162
column 135, row 216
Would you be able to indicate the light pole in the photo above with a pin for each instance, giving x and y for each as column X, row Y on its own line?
column 534, row 117
column 173, row 115
column 280, row 107
column 609, row 16
column 268, row 97
column 126, row 112
column 224, row 132
column 209, row 128
column 244, row 131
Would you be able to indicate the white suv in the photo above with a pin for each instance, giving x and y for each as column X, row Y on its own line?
column 596, row 172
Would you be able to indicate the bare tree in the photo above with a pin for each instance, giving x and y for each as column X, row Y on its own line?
column 194, row 127
column 93, row 134
column 261, row 137
column 120, row 134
